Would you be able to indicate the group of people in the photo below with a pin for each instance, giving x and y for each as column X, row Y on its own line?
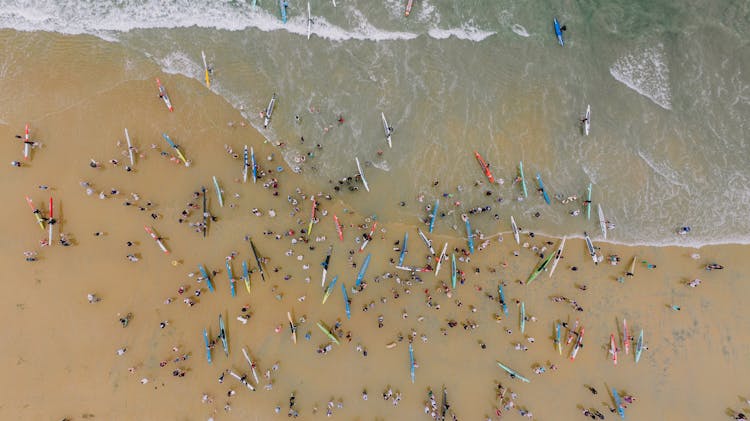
column 300, row 240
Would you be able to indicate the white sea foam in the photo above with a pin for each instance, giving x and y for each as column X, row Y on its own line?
column 179, row 63
column 520, row 30
column 107, row 19
column 664, row 170
column 427, row 12
column 465, row 32
column 395, row 8
column 422, row 11
column 645, row 72
column 664, row 241
column 364, row 30
column 506, row 19
column 382, row 165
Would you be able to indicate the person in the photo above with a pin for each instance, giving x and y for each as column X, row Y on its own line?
column 125, row 320
column 683, row 230
column 713, row 266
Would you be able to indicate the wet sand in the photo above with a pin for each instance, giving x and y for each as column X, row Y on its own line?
column 59, row 351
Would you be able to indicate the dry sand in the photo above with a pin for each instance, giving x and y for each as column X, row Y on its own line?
column 59, row 352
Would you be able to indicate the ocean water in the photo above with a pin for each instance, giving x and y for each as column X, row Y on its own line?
column 667, row 83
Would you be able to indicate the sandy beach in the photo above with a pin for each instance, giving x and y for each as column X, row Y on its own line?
column 59, row 353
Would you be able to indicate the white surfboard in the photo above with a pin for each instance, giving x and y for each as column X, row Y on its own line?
column 309, row 21
column 515, row 230
column 587, row 122
column 602, row 221
column 558, row 255
column 361, row 174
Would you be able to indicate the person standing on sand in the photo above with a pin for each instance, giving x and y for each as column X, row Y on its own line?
column 125, row 320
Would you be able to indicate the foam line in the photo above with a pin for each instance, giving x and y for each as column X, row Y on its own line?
column 108, row 19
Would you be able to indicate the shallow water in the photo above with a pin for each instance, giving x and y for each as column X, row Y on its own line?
column 667, row 86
